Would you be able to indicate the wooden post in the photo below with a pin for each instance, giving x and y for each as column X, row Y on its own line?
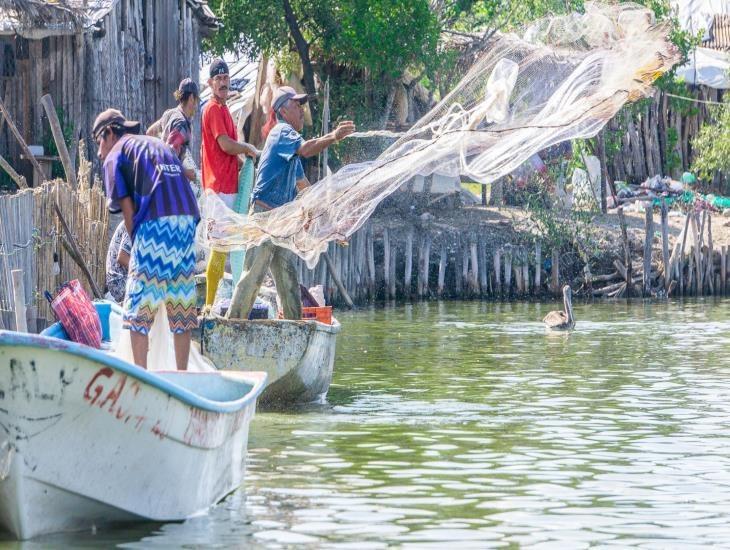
column 458, row 258
column 324, row 155
column 601, row 142
column 648, row 240
column 483, row 281
column 697, row 253
column 701, row 278
column 497, row 272
column 386, row 261
column 257, row 112
column 681, row 253
column 665, row 246
column 408, row 272
column 338, row 282
column 538, row 266
column 370, row 249
column 517, row 269
column 556, row 272
column 627, row 251
column 710, row 271
column 474, row 275
column 723, row 270
column 68, row 166
column 484, row 194
column 420, row 266
column 21, row 324
column 442, row 270
column 393, row 263
column 17, row 178
column 74, row 247
column 466, row 284
column 525, row 272
column 508, row 269
column 21, row 141
column 425, row 263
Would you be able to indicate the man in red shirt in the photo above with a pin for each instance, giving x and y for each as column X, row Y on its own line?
column 220, row 160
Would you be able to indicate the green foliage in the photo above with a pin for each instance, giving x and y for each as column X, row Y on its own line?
column 380, row 36
column 250, row 28
column 712, row 145
column 672, row 159
column 503, row 15
column 555, row 228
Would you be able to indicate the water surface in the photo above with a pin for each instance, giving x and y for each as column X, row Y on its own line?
column 467, row 423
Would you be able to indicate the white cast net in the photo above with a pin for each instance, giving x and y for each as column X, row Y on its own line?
column 564, row 80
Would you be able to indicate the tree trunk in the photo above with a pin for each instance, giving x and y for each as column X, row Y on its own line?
column 303, row 50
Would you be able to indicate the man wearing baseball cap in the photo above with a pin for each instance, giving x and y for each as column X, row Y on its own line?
column 175, row 126
column 144, row 181
column 280, row 177
column 220, row 160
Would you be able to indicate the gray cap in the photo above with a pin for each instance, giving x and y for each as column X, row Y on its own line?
column 284, row 94
column 112, row 117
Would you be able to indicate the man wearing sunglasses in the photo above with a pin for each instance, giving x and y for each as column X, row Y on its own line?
column 144, row 181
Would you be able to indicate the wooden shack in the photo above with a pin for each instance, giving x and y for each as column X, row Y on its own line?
column 91, row 55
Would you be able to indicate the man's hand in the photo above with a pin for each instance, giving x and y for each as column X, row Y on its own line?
column 251, row 151
column 344, row 129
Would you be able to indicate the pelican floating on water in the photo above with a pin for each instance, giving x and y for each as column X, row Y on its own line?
column 562, row 320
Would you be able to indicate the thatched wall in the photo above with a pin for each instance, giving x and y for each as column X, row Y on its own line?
column 133, row 59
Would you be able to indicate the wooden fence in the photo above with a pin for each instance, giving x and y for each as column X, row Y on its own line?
column 31, row 239
column 395, row 262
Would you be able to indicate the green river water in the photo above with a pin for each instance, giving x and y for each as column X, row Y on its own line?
column 457, row 425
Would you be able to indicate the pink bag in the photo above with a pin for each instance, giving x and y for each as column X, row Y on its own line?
column 77, row 314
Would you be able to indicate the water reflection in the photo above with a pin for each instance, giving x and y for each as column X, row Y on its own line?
column 470, row 424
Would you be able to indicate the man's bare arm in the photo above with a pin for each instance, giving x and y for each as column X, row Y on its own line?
column 123, row 258
column 155, row 129
column 315, row 146
column 233, row 147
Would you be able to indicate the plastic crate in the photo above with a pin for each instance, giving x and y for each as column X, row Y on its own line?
column 322, row 314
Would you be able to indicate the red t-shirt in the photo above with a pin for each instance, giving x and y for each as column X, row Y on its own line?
column 220, row 170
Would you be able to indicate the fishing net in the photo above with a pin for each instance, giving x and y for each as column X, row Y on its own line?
column 565, row 79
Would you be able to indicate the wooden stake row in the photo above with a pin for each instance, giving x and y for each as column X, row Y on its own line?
column 422, row 262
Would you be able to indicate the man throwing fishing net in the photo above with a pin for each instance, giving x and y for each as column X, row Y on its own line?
column 280, row 177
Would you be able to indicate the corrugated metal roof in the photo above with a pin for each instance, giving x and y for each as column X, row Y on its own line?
column 57, row 17
column 719, row 33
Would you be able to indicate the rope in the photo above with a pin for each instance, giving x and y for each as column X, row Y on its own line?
column 695, row 100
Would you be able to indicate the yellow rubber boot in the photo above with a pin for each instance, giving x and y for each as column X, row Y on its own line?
column 214, row 274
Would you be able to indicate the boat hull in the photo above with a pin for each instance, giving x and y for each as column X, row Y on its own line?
column 89, row 440
column 297, row 356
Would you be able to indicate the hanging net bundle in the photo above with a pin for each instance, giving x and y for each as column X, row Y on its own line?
column 564, row 80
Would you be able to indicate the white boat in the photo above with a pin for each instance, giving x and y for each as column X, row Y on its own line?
column 297, row 356
column 88, row 439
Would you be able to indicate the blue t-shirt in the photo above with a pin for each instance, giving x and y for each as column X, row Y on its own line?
column 150, row 173
column 279, row 167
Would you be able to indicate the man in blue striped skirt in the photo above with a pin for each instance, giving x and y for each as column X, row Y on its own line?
column 145, row 182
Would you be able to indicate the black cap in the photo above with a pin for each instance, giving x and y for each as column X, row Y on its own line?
column 112, row 117
column 188, row 86
column 218, row 67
